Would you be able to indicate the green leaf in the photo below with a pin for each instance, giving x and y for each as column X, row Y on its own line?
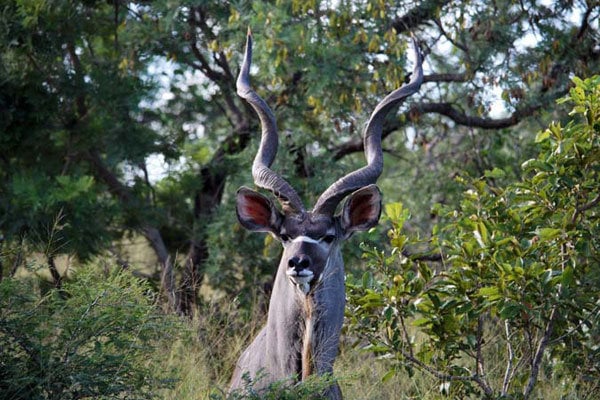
column 421, row 322
column 495, row 173
column 367, row 280
column 546, row 234
column 388, row 375
column 542, row 135
column 567, row 278
column 490, row 292
column 510, row 310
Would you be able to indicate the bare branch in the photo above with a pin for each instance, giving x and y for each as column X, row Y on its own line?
column 537, row 359
column 450, row 38
column 222, row 79
column 104, row 174
column 480, row 367
column 437, row 257
column 458, row 77
column 584, row 208
column 584, row 23
column 443, row 376
column 79, row 75
column 509, row 372
column 445, row 109
column 448, row 110
column 56, row 277
column 410, row 357
column 218, row 56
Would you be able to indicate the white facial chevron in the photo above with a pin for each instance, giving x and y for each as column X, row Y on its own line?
column 305, row 239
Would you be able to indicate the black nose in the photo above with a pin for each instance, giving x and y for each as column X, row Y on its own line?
column 299, row 263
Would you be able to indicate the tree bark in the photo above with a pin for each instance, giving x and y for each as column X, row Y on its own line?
column 56, row 278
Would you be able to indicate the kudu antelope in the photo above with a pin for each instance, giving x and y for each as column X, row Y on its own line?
column 306, row 310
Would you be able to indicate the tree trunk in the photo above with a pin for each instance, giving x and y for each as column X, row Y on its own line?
column 205, row 202
column 56, row 278
column 157, row 243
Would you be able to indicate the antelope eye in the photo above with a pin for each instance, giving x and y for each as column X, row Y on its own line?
column 284, row 238
column 328, row 238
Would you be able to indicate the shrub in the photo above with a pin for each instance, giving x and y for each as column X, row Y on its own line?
column 93, row 339
column 515, row 294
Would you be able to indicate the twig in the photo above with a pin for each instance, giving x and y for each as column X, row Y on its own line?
column 543, row 344
column 508, row 374
column 70, row 351
column 477, row 377
column 167, row 281
column 583, row 208
column 480, row 368
column 571, row 331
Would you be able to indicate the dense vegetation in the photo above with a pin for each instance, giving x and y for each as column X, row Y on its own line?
column 517, row 293
column 483, row 280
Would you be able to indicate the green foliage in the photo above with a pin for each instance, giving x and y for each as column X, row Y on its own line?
column 61, row 109
column 60, row 215
column 519, row 274
column 96, row 338
column 309, row 389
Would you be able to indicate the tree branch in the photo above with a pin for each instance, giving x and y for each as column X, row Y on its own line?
column 480, row 367
column 537, row 359
column 445, row 109
column 448, row 110
column 410, row 357
column 508, row 373
column 437, row 257
column 417, row 16
column 107, row 176
column 56, row 277
column 458, row 77
column 579, row 210
column 82, row 109
column 224, row 80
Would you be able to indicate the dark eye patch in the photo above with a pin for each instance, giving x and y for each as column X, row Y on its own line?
column 328, row 238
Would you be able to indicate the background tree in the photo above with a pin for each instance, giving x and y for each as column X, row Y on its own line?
column 84, row 108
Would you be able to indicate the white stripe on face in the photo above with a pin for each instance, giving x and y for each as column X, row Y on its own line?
column 305, row 239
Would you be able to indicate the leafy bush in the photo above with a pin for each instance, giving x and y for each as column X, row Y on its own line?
column 515, row 294
column 309, row 389
column 93, row 339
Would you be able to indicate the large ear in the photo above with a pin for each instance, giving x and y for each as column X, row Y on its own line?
column 361, row 210
column 256, row 212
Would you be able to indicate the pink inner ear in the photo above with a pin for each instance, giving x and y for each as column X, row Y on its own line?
column 254, row 209
column 362, row 210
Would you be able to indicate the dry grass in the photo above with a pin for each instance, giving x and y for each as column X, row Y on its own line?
column 205, row 363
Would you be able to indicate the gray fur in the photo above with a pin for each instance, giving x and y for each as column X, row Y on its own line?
column 275, row 353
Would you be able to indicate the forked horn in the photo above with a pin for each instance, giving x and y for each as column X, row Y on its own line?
column 329, row 200
column 263, row 176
